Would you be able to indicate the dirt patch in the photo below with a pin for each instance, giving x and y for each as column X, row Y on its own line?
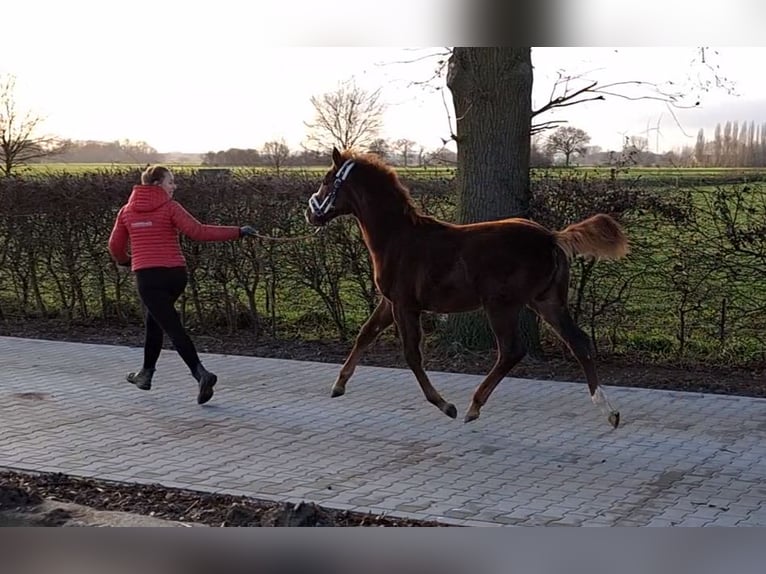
column 28, row 499
column 14, row 496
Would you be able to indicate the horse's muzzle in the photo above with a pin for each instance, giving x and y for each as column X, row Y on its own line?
column 314, row 219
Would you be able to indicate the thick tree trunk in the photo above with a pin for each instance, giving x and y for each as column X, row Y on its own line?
column 492, row 94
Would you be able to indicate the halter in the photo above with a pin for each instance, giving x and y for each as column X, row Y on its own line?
column 320, row 209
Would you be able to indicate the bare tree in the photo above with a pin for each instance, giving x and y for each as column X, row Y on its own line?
column 634, row 150
column 539, row 156
column 405, row 147
column 380, row 147
column 442, row 156
column 139, row 152
column 699, row 148
column 276, row 152
column 569, row 141
column 20, row 142
column 572, row 89
column 349, row 117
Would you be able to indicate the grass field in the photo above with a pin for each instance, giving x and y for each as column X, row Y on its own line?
column 649, row 175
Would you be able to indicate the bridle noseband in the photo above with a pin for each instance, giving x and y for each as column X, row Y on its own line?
column 320, row 209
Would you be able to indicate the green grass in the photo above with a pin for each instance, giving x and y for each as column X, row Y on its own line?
column 667, row 175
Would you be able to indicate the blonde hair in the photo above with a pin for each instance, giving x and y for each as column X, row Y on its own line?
column 154, row 174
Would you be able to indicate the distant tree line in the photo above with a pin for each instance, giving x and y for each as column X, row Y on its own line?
column 273, row 154
column 276, row 154
column 123, row 151
column 734, row 145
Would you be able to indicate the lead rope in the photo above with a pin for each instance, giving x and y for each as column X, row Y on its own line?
column 294, row 238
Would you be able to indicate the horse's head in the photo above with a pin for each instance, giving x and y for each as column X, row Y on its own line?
column 332, row 197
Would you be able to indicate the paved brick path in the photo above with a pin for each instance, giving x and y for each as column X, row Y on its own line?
column 539, row 455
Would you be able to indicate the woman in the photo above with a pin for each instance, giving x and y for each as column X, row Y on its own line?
column 151, row 221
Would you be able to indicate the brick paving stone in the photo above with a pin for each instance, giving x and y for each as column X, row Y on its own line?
column 539, row 455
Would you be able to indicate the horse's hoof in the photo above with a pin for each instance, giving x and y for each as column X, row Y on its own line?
column 471, row 416
column 614, row 419
column 337, row 392
column 450, row 411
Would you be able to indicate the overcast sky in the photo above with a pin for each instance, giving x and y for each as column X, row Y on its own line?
column 193, row 80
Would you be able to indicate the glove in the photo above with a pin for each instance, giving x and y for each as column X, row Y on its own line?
column 247, row 231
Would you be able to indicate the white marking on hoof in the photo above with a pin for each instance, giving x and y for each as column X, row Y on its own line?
column 602, row 402
column 599, row 397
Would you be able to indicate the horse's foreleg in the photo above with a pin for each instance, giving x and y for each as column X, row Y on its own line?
column 410, row 331
column 380, row 319
column 504, row 320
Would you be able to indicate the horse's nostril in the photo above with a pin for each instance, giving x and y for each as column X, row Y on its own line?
column 311, row 218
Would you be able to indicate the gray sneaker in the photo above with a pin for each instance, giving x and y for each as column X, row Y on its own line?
column 142, row 379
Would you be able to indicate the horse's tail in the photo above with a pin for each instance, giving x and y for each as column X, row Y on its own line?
column 599, row 236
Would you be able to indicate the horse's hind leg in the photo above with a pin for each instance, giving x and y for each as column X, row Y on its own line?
column 376, row 323
column 557, row 316
column 504, row 320
column 410, row 331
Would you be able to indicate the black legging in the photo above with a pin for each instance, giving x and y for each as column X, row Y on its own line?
column 159, row 289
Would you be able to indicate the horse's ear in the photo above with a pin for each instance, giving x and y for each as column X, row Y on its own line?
column 335, row 156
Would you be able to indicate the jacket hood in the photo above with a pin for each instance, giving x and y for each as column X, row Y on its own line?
column 147, row 198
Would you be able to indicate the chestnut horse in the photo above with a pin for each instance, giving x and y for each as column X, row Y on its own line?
column 423, row 264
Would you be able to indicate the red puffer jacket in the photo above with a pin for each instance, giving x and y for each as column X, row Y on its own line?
column 152, row 220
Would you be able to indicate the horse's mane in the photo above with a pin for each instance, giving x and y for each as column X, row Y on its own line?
column 381, row 175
